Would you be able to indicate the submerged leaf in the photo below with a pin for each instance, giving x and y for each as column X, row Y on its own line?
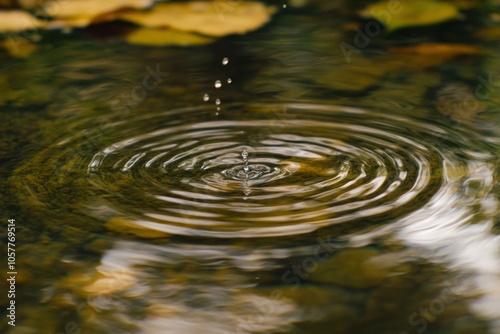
column 206, row 18
column 18, row 47
column 458, row 102
column 395, row 15
column 163, row 37
column 431, row 49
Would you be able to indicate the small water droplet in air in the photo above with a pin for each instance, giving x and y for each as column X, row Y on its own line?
column 216, row 114
column 225, row 61
column 218, row 84
column 218, row 108
column 229, row 80
column 284, row 5
column 244, row 154
column 217, row 101
column 206, row 97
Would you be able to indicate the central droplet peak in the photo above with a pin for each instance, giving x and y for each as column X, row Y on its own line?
column 244, row 154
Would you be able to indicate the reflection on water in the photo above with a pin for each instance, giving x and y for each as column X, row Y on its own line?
column 304, row 203
column 457, row 230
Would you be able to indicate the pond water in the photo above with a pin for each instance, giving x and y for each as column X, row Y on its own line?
column 271, row 182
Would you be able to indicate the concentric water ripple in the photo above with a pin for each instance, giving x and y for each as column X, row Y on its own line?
column 309, row 166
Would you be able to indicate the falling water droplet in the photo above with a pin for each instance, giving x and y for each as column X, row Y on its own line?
column 284, row 5
column 218, row 84
column 206, row 97
column 229, row 80
column 217, row 101
column 225, row 61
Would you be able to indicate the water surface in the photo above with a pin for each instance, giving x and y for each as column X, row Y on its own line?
column 366, row 202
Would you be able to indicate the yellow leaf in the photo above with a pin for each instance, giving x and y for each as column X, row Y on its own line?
column 163, row 37
column 211, row 18
column 17, row 20
column 79, row 8
column 81, row 13
column 396, row 15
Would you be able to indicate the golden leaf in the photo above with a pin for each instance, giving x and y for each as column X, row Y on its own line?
column 79, row 8
column 207, row 18
column 81, row 13
column 396, row 15
column 18, row 20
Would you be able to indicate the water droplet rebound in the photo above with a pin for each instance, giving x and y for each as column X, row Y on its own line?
column 244, row 154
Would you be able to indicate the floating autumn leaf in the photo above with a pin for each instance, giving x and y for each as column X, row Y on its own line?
column 411, row 14
column 76, row 8
column 205, row 18
column 81, row 13
column 17, row 20
column 163, row 37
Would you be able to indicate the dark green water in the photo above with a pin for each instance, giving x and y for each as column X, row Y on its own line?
column 370, row 203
